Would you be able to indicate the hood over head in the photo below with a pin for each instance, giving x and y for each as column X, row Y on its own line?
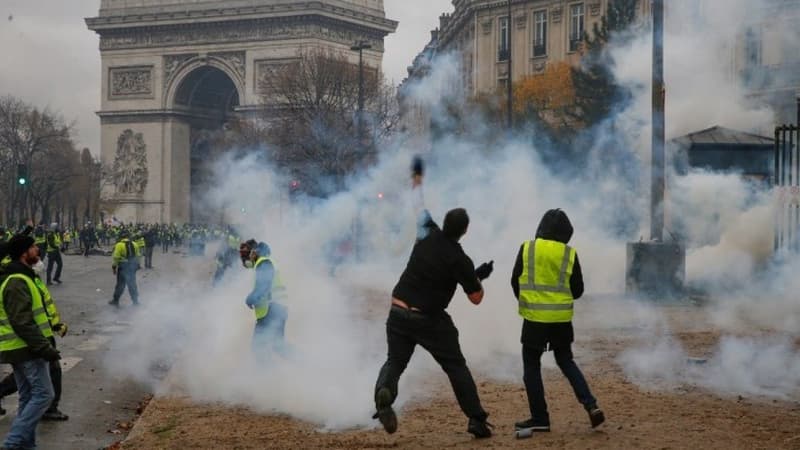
column 555, row 226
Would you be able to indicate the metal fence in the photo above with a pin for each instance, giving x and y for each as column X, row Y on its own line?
column 787, row 188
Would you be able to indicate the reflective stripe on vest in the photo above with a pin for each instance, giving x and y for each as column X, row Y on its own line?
column 277, row 290
column 544, row 292
column 49, row 305
column 8, row 339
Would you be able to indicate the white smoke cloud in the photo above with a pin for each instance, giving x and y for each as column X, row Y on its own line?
column 336, row 313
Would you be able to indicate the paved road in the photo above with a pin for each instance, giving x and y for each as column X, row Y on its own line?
column 95, row 400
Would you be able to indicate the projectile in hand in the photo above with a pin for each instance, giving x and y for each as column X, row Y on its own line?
column 417, row 166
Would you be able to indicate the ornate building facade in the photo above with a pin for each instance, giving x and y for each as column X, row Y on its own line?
column 539, row 31
column 174, row 68
column 767, row 57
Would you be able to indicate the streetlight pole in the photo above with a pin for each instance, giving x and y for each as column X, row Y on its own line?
column 360, row 46
column 510, row 79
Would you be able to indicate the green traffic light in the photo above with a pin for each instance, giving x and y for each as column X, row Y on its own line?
column 22, row 181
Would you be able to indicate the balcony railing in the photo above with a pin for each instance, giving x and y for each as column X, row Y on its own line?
column 574, row 44
column 539, row 50
column 502, row 54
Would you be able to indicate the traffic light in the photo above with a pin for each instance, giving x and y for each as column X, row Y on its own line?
column 22, row 174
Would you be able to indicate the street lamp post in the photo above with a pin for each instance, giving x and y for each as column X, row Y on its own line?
column 360, row 46
column 510, row 100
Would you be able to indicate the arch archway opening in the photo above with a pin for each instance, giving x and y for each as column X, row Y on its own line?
column 208, row 97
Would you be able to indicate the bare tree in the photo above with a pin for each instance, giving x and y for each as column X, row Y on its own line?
column 40, row 140
column 312, row 112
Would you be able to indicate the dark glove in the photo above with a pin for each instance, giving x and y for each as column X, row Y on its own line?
column 114, row 269
column 484, row 270
column 61, row 329
column 50, row 354
column 250, row 302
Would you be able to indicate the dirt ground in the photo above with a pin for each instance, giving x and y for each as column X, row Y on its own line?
column 685, row 417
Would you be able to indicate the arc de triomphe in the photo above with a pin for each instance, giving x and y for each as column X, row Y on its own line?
column 172, row 67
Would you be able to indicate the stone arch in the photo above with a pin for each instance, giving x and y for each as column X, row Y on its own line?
column 198, row 70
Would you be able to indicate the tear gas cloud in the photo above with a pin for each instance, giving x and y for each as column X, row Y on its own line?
column 337, row 313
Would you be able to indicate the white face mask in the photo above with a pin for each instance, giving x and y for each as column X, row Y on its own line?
column 39, row 267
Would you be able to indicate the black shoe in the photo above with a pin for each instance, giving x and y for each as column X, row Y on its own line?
column 596, row 416
column 383, row 402
column 114, row 302
column 533, row 425
column 481, row 429
column 57, row 281
column 49, row 283
column 55, row 415
column 2, row 410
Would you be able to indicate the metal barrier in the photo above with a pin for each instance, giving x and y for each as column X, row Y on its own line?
column 787, row 188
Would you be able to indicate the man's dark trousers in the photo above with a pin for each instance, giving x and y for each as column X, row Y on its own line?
column 126, row 276
column 54, row 258
column 532, row 376
column 438, row 335
column 148, row 257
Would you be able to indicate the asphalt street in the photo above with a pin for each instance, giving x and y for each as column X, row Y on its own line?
column 96, row 401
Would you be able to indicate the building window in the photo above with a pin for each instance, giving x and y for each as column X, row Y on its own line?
column 502, row 46
column 502, row 84
column 576, row 26
column 540, row 33
column 752, row 47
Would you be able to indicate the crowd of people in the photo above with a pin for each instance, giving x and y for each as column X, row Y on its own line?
column 546, row 280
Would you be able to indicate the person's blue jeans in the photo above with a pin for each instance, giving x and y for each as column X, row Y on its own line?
column 269, row 332
column 35, row 395
column 531, row 359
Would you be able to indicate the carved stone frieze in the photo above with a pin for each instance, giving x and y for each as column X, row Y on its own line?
column 521, row 20
column 234, row 59
column 131, row 82
column 250, row 31
column 555, row 14
column 266, row 71
column 487, row 26
column 129, row 173
column 173, row 62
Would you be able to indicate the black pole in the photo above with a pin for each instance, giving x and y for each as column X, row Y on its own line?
column 657, row 181
column 361, row 96
column 509, row 89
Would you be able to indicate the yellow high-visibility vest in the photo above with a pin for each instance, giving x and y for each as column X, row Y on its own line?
column 8, row 339
column 544, row 292
column 277, row 291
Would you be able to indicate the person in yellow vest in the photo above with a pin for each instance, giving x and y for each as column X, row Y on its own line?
column 268, row 301
column 124, row 264
column 546, row 279
column 54, row 254
column 8, row 385
column 66, row 240
column 24, row 332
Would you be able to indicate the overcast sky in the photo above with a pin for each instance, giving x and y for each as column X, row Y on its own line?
column 51, row 60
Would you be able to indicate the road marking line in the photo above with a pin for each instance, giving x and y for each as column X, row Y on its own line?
column 69, row 362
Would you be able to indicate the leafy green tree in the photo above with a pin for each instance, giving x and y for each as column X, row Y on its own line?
column 597, row 93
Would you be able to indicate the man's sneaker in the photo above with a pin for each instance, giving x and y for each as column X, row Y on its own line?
column 480, row 428
column 54, row 415
column 596, row 416
column 532, row 425
column 383, row 401
column 114, row 303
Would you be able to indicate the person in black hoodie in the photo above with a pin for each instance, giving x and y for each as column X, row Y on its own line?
column 436, row 267
column 23, row 340
column 546, row 279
